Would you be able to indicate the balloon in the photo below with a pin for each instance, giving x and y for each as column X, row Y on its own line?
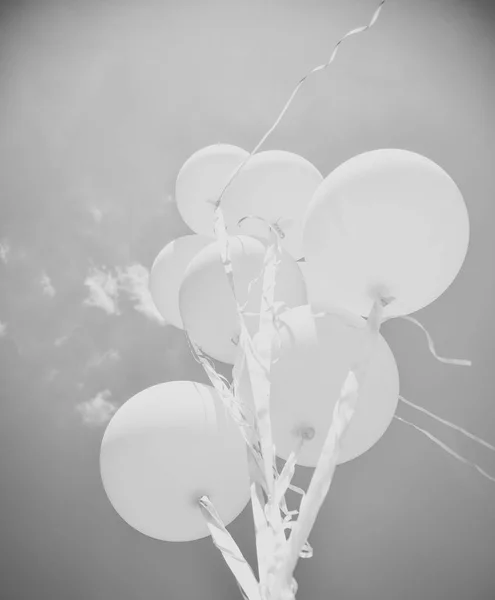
column 166, row 447
column 167, row 273
column 202, row 177
column 389, row 220
column 277, row 186
column 311, row 360
column 206, row 301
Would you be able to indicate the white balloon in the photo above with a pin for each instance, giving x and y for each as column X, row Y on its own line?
column 168, row 271
column 389, row 220
column 202, row 178
column 207, row 304
column 277, row 186
column 165, row 448
column 311, row 361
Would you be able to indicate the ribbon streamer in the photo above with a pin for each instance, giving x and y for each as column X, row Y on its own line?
column 448, row 449
column 230, row 550
column 295, row 91
column 325, row 468
column 259, row 363
column 284, row 479
column 273, row 518
column 257, row 476
column 236, row 409
column 449, row 424
column 282, row 484
column 461, row 362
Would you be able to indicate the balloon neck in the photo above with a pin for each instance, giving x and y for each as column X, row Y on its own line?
column 214, row 202
column 386, row 301
column 200, row 499
column 306, row 432
column 381, row 293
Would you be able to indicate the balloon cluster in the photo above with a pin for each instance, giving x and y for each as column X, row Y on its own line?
column 388, row 220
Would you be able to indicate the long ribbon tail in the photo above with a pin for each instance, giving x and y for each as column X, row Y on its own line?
column 259, row 358
column 296, row 90
column 230, row 550
column 260, row 481
column 447, row 449
column 256, row 470
column 283, row 483
column 449, row 424
column 321, row 480
column 284, row 479
column 325, row 468
column 257, row 364
column 461, row 362
column 239, row 411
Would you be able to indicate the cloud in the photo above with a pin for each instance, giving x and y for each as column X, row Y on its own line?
column 51, row 375
column 60, row 341
column 46, row 286
column 103, row 291
column 96, row 213
column 133, row 281
column 3, row 329
column 99, row 359
column 4, row 251
column 98, row 410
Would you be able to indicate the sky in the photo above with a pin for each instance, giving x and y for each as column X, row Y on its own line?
column 100, row 105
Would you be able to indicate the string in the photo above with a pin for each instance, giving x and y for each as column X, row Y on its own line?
column 322, row 477
column 449, row 361
column 289, row 587
column 294, row 93
column 449, row 424
column 447, row 449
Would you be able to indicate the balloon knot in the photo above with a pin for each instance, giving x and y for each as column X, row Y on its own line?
column 215, row 203
column 385, row 301
column 306, row 432
column 202, row 500
column 380, row 292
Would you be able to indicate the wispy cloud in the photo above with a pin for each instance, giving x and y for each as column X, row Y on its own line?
column 110, row 356
column 51, row 375
column 98, row 410
column 3, row 329
column 60, row 341
column 4, row 251
column 131, row 282
column 47, row 286
column 103, row 291
column 96, row 213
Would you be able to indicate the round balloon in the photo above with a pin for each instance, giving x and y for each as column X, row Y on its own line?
column 311, row 361
column 167, row 273
column 207, row 304
column 277, row 186
column 201, row 179
column 165, row 448
column 388, row 220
